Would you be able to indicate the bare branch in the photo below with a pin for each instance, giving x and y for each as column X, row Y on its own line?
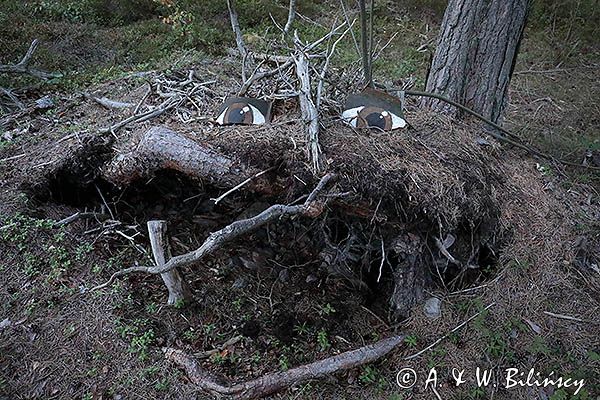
column 23, row 66
column 256, row 76
column 237, row 187
column 216, row 240
column 291, row 17
column 351, row 31
column 327, row 59
column 165, row 106
column 278, row 381
column 432, row 345
column 239, row 39
column 12, row 98
column 108, row 103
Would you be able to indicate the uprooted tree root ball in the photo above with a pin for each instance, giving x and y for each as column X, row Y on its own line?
column 438, row 205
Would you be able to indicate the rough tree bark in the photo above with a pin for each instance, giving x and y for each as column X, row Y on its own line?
column 476, row 53
column 161, row 148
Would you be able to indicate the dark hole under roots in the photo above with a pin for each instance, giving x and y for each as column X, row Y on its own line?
column 353, row 250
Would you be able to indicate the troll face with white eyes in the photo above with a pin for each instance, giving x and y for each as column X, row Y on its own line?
column 373, row 109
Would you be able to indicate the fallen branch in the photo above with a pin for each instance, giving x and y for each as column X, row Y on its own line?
column 165, row 106
column 15, row 100
column 217, row 240
column 108, row 103
column 245, row 182
column 565, row 317
column 23, row 66
column 278, row 381
column 78, row 215
column 206, row 354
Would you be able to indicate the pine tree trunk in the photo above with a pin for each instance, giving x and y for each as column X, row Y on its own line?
column 476, row 54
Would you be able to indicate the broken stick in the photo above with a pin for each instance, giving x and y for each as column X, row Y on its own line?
column 278, row 381
column 179, row 290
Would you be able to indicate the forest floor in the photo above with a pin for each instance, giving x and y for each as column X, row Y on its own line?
column 58, row 340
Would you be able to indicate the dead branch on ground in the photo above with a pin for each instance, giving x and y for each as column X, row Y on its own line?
column 168, row 104
column 23, row 66
column 216, row 240
column 432, row 345
column 278, row 381
column 13, row 99
column 245, row 182
column 108, row 103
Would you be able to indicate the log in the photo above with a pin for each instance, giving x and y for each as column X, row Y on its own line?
column 278, row 381
column 179, row 289
column 161, row 148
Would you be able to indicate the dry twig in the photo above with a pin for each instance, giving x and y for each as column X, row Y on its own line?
column 432, row 345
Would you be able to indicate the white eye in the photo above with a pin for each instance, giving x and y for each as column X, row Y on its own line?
column 258, row 117
column 241, row 113
column 351, row 116
column 372, row 117
column 374, row 109
column 397, row 122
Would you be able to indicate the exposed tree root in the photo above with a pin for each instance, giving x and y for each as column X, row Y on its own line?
column 161, row 148
column 275, row 382
column 216, row 240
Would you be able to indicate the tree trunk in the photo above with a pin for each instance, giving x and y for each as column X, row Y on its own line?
column 476, row 53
